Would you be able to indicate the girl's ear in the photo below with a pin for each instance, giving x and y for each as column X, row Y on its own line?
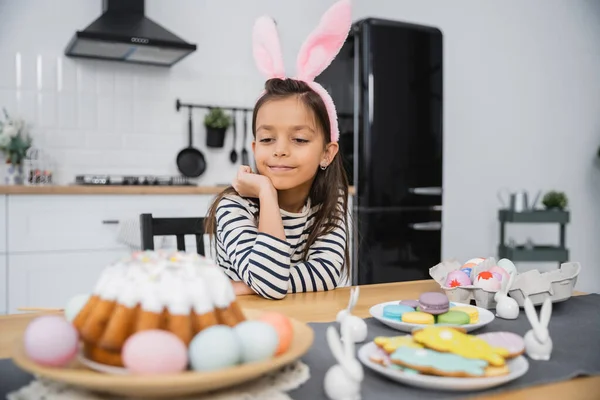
column 331, row 150
column 267, row 49
column 325, row 42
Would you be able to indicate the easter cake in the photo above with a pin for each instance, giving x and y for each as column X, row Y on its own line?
column 182, row 293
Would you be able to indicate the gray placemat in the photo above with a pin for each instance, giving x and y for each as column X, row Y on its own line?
column 574, row 329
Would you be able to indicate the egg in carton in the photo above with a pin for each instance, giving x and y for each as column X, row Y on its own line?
column 478, row 279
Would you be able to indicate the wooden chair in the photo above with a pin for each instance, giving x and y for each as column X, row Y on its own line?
column 178, row 227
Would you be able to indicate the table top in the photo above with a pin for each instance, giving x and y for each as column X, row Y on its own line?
column 323, row 307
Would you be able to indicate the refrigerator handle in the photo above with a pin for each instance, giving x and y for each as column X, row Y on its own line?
column 426, row 226
column 426, row 191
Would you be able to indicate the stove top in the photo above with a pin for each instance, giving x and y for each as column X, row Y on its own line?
column 122, row 180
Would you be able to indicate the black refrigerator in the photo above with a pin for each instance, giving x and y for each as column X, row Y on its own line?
column 387, row 86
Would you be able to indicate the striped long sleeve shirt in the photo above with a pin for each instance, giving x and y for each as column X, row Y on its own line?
column 270, row 266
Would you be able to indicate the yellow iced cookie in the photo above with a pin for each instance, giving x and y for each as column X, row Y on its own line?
column 453, row 341
column 390, row 344
column 418, row 317
column 470, row 311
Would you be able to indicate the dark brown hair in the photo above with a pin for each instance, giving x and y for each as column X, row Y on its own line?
column 330, row 187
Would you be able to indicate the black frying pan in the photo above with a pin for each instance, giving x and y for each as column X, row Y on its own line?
column 190, row 161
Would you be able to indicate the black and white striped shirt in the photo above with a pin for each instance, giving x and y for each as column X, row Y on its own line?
column 270, row 266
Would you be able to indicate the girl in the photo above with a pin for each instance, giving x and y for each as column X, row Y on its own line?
column 284, row 228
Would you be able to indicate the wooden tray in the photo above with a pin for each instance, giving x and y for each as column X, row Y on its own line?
column 168, row 386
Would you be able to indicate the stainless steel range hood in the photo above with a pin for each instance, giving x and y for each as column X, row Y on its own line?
column 124, row 33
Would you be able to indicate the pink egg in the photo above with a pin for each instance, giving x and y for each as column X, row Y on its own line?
column 497, row 276
column 487, row 281
column 499, row 270
column 51, row 341
column 154, row 352
column 457, row 278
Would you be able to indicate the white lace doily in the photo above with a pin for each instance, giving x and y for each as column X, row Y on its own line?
column 272, row 386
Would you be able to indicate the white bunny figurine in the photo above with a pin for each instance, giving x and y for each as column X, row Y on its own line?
column 538, row 344
column 357, row 326
column 343, row 380
column 506, row 307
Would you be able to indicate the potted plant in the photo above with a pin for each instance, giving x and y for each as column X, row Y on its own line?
column 216, row 123
column 554, row 200
column 14, row 143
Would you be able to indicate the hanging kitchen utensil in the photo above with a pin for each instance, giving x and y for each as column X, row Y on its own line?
column 190, row 161
column 245, row 160
column 233, row 156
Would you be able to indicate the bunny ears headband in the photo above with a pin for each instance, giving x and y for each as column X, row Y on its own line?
column 316, row 53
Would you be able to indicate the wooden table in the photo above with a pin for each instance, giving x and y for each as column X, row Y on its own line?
column 323, row 307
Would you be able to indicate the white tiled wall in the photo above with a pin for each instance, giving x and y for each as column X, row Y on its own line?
column 107, row 117
column 102, row 117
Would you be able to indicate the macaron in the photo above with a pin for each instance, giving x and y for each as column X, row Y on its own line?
column 395, row 311
column 418, row 317
column 453, row 317
column 411, row 303
column 433, row 303
column 470, row 311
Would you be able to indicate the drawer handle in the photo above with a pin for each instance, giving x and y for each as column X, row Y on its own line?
column 110, row 221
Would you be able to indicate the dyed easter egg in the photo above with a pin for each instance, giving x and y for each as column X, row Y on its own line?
column 258, row 340
column 154, row 351
column 476, row 260
column 467, row 269
column 215, row 348
column 504, row 276
column 51, row 341
column 457, row 278
column 74, row 305
column 283, row 327
column 487, row 281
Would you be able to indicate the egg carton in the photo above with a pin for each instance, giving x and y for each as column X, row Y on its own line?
column 558, row 284
column 465, row 294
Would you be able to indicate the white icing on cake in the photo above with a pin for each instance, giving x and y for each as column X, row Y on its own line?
column 179, row 281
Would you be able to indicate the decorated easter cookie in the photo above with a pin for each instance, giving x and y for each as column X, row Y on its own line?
column 390, row 344
column 453, row 341
column 512, row 342
column 418, row 317
column 470, row 311
column 435, row 363
column 454, row 317
column 379, row 356
column 395, row 311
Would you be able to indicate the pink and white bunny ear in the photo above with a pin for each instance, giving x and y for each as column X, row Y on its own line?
column 267, row 49
column 325, row 41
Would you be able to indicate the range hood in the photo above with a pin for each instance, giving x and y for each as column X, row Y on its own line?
column 124, row 33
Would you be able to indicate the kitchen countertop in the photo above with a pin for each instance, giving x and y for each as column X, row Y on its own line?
column 114, row 190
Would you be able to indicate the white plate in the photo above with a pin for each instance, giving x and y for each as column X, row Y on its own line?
column 107, row 369
column 485, row 317
column 518, row 366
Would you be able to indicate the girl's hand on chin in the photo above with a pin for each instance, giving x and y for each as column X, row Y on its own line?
column 249, row 184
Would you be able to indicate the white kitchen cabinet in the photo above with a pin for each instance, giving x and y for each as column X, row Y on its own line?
column 3, row 284
column 51, row 279
column 74, row 223
column 2, row 225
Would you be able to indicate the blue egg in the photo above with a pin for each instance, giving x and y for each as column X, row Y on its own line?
column 214, row 348
column 258, row 340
